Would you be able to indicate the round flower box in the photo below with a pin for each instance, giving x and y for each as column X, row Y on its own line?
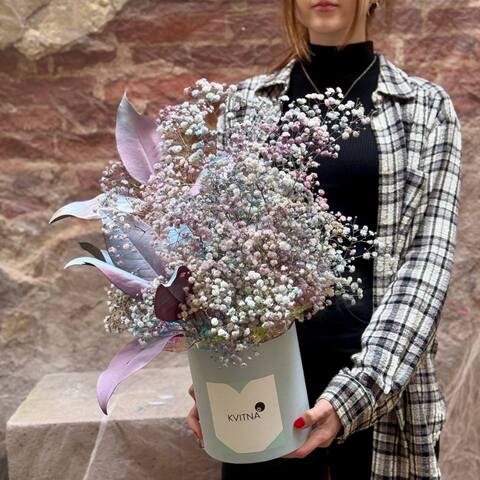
column 247, row 412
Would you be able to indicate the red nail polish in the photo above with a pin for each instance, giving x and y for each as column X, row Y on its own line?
column 299, row 422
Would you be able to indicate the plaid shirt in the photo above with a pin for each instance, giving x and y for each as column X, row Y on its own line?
column 392, row 385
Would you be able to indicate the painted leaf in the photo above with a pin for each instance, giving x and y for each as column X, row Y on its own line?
column 137, row 141
column 93, row 250
column 90, row 209
column 107, row 256
column 178, row 281
column 124, row 203
column 140, row 258
column 129, row 359
column 87, row 210
column 101, row 254
column 177, row 235
column 195, row 189
column 125, row 281
column 169, row 296
column 166, row 305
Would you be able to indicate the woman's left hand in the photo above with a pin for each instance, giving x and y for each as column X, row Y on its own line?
column 326, row 426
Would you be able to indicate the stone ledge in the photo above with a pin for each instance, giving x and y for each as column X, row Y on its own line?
column 60, row 433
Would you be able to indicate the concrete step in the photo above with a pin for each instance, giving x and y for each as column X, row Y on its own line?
column 59, row 432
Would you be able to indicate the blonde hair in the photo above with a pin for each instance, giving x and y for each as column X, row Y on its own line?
column 297, row 34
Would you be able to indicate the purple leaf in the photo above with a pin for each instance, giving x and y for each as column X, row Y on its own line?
column 166, row 305
column 140, row 258
column 129, row 359
column 87, row 210
column 168, row 296
column 178, row 281
column 125, row 281
column 137, row 141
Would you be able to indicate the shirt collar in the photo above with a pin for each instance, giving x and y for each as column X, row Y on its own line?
column 392, row 80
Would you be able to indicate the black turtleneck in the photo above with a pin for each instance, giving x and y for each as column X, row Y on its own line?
column 333, row 67
column 351, row 186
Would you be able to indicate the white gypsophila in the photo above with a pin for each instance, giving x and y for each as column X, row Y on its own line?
column 257, row 235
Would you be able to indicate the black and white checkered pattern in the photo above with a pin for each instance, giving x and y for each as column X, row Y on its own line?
column 393, row 384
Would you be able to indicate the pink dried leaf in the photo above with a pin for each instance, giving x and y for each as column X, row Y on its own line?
column 125, row 281
column 137, row 141
column 129, row 359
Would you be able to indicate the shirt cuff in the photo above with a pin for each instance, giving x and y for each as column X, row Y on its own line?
column 352, row 402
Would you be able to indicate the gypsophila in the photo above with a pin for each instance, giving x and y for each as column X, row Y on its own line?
column 246, row 217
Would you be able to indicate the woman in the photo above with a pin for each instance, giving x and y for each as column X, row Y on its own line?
column 376, row 407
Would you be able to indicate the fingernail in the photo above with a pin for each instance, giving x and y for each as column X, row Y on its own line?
column 299, row 422
column 200, row 443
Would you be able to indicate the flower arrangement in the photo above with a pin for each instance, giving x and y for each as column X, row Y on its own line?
column 216, row 236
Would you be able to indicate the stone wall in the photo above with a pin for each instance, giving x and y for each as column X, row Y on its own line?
column 64, row 65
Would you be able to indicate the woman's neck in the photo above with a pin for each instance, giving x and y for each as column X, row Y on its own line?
column 329, row 63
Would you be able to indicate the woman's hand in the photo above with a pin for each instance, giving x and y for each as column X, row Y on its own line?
column 176, row 344
column 326, row 426
column 192, row 418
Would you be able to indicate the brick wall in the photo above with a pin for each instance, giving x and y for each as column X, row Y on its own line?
column 57, row 116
